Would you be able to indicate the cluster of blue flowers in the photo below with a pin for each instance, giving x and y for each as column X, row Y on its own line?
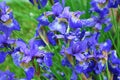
column 82, row 52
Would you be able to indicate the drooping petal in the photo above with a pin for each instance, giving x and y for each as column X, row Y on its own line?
column 29, row 73
column 51, row 38
column 39, row 3
column 108, row 27
column 74, row 76
column 57, row 25
column 16, row 58
column 7, row 75
column 113, row 3
column 43, row 20
column 98, row 26
column 75, row 22
column 2, row 57
column 2, row 38
column 48, row 59
column 99, row 67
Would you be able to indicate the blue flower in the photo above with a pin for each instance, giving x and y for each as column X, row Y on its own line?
column 2, row 57
column 74, row 76
column 102, row 16
column 76, row 47
column 17, row 58
column 48, row 59
column 43, row 20
column 116, row 77
column 58, row 25
column 113, row 3
column 51, row 38
column 7, row 75
column 106, row 46
column 74, row 21
column 66, row 13
column 57, row 9
column 32, row 51
column 7, row 21
column 100, row 1
column 99, row 67
column 2, row 38
column 114, row 63
column 29, row 73
column 39, row 3
column 65, row 62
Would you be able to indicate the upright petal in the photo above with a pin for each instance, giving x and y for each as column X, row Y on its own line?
column 57, row 9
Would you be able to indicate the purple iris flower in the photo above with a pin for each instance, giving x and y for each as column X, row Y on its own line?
column 2, row 57
column 43, row 20
column 58, row 25
column 101, row 11
column 113, row 3
column 101, row 19
column 106, row 46
column 99, row 67
column 100, row 1
column 16, row 55
column 7, row 21
column 66, row 13
column 39, row 3
column 57, row 9
column 74, row 76
column 50, row 76
column 88, row 57
column 32, row 51
column 29, row 73
column 116, row 77
column 2, row 38
column 48, row 59
column 51, row 38
column 74, row 21
column 114, row 63
column 65, row 62
column 7, row 75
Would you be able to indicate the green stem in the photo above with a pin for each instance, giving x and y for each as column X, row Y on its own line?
column 43, row 38
column 116, row 30
column 107, row 71
column 100, row 78
column 80, row 78
column 51, row 2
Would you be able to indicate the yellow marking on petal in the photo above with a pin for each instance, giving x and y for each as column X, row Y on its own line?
column 84, row 77
column 42, row 35
column 105, row 54
column 26, row 65
column 70, row 58
column 9, row 10
column 8, row 22
column 81, row 62
column 73, row 15
column 35, row 2
column 62, row 20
